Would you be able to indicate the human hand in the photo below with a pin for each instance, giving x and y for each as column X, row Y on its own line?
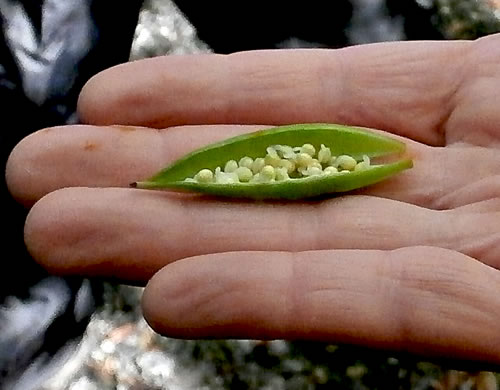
column 408, row 264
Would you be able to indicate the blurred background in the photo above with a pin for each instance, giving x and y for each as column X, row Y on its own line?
column 72, row 334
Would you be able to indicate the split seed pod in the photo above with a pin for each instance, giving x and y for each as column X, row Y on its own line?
column 360, row 144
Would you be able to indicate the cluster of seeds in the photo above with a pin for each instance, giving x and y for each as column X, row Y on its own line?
column 282, row 162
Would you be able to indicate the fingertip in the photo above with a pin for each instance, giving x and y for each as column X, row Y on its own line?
column 90, row 97
column 40, row 228
column 172, row 296
column 119, row 95
column 21, row 169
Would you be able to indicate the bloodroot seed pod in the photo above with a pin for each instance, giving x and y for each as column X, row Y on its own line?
column 286, row 162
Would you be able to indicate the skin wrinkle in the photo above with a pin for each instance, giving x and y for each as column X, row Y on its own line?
column 417, row 291
column 485, row 248
column 481, row 242
column 484, row 189
column 220, row 297
column 485, row 49
column 335, row 93
column 384, row 64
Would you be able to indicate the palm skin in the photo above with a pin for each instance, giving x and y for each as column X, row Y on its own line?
column 408, row 264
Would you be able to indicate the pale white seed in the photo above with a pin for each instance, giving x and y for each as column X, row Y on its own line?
column 308, row 149
column 315, row 163
column 244, row 174
column 228, row 178
column 255, row 179
column 331, row 163
column 324, row 155
column 257, row 165
column 231, row 166
column 271, row 160
column 268, row 173
column 361, row 166
column 282, row 174
column 225, row 177
column 246, row 162
column 288, row 165
column 285, row 151
column 271, row 151
column 345, row 162
column 345, row 171
column 303, row 160
column 204, row 176
column 312, row 171
column 330, row 171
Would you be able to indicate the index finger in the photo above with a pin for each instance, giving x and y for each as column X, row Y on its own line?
column 398, row 87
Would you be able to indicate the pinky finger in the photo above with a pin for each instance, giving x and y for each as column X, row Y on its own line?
column 424, row 300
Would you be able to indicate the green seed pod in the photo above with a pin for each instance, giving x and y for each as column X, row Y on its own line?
column 359, row 144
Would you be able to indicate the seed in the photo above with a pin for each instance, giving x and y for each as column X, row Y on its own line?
column 230, row 166
column 204, row 176
column 257, row 165
column 308, row 149
column 246, row 162
column 315, row 163
column 272, row 160
column 268, row 173
column 285, row 151
column 363, row 165
column 345, row 162
column 324, row 155
column 244, row 174
column 303, row 160
column 331, row 163
column 281, row 174
column 312, row 171
column 288, row 165
column 330, row 171
column 271, row 150
column 225, row 177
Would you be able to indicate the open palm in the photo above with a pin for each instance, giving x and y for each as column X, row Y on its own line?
column 408, row 264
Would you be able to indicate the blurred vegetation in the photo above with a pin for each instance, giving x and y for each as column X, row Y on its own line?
column 466, row 19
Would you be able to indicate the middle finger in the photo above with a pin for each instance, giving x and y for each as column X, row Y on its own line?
column 116, row 156
column 131, row 234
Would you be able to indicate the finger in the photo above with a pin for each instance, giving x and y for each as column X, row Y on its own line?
column 476, row 116
column 116, row 156
column 423, row 300
column 80, row 155
column 131, row 234
column 398, row 87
